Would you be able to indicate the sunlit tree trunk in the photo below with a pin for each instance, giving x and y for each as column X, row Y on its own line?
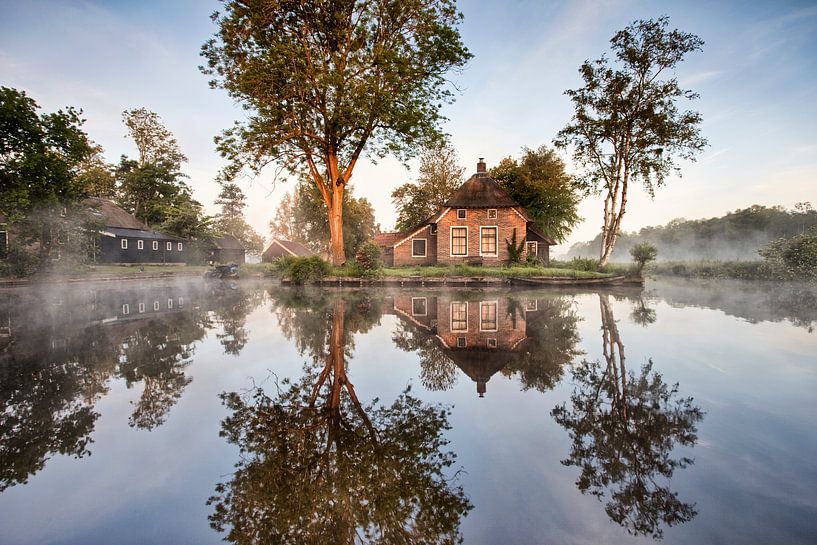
column 613, row 352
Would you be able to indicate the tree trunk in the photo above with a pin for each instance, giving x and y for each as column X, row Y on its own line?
column 335, row 209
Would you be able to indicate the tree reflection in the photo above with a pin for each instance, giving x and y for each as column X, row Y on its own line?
column 231, row 305
column 319, row 467
column 624, row 428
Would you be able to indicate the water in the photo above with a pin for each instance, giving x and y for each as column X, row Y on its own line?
column 194, row 412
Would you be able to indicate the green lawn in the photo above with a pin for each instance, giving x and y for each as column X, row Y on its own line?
column 439, row 271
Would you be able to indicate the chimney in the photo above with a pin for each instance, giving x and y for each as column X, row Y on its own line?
column 481, row 165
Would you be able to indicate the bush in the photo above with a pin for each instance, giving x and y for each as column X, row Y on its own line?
column 20, row 263
column 642, row 253
column 584, row 264
column 301, row 270
column 794, row 257
column 368, row 260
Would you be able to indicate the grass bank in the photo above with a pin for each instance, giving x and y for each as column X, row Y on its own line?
column 523, row 271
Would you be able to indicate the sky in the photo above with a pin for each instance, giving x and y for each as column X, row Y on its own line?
column 756, row 76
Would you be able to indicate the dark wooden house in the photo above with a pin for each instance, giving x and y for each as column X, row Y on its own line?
column 125, row 239
column 227, row 249
column 280, row 248
column 472, row 227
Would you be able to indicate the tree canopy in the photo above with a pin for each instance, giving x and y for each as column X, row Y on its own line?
column 323, row 80
column 439, row 176
column 626, row 124
column 231, row 220
column 538, row 182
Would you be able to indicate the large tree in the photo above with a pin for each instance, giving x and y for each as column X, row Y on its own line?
column 231, row 220
column 439, row 176
column 302, row 217
column 325, row 79
column 627, row 125
column 538, row 182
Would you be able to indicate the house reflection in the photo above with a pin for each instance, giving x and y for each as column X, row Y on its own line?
column 481, row 337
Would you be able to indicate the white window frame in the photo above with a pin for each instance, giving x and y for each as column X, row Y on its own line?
column 169, row 246
column 491, row 343
column 155, row 244
column 462, row 342
column 181, row 301
column 492, row 216
column 496, row 314
column 170, row 303
column 535, row 247
column 141, row 308
column 178, row 246
column 425, row 306
column 451, row 315
column 425, row 247
column 123, row 244
column 495, row 254
column 531, row 305
column 155, row 305
column 451, row 241
column 125, row 308
column 464, row 214
column 140, row 244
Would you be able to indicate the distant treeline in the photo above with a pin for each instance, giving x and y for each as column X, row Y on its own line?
column 737, row 236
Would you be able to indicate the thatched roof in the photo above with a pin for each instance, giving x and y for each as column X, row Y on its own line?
column 113, row 215
column 280, row 248
column 480, row 191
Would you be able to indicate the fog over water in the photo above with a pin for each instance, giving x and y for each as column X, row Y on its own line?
column 191, row 412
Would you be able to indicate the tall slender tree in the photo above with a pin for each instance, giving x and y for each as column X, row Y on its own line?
column 231, row 220
column 325, row 80
column 627, row 125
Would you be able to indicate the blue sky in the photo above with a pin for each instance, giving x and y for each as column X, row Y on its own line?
column 757, row 78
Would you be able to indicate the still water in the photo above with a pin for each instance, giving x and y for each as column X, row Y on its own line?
column 195, row 412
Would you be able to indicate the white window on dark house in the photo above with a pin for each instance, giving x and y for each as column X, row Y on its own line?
column 531, row 247
column 419, row 306
column 141, row 308
column 124, row 243
column 460, row 342
column 459, row 316
column 140, row 244
column 531, row 305
column 155, row 305
column 169, row 246
column 488, row 244
column 418, row 247
column 155, row 244
column 181, row 301
column 461, row 213
column 491, row 343
column 170, row 303
column 459, row 241
column 179, row 246
column 487, row 316
column 492, row 213
column 126, row 309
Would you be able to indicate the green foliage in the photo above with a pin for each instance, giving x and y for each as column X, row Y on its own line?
column 642, row 254
column 626, row 124
column 231, row 220
column 369, row 260
column 439, row 176
column 793, row 257
column 515, row 250
column 302, row 270
column 539, row 183
column 584, row 264
column 735, row 236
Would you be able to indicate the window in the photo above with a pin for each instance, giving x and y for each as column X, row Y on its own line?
column 418, row 247
column 155, row 244
column 459, row 241
column 433, row 228
column 4, row 241
column 492, row 213
column 460, row 342
column 169, row 246
column 124, row 243
column 181, row 301
column 531, row 247
column 179, row 246
column 419, row 306
column 141, row 308
column 140, row 244
column 487, row 316
column 126, row 309
column 461, row 213
column 491, row 343
column 459, row 316
column 155, row 305
column 488, row 240
column 170, row 303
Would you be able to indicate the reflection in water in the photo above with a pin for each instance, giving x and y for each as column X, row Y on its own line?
column 60, row 349
column 318, row 467
column 531, row 337
column 624, row 427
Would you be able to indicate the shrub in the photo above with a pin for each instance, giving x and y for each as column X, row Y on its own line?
column 368, row 260
column 642, row 253
column 794, row 257
column 301, row 270
column 20, row 263
column 584, row 264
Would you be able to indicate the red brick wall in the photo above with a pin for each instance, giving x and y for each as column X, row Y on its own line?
column 508, row 331
column 402, row 253
column 507, row 220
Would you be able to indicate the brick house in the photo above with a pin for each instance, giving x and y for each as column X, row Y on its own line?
column 472, row 227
